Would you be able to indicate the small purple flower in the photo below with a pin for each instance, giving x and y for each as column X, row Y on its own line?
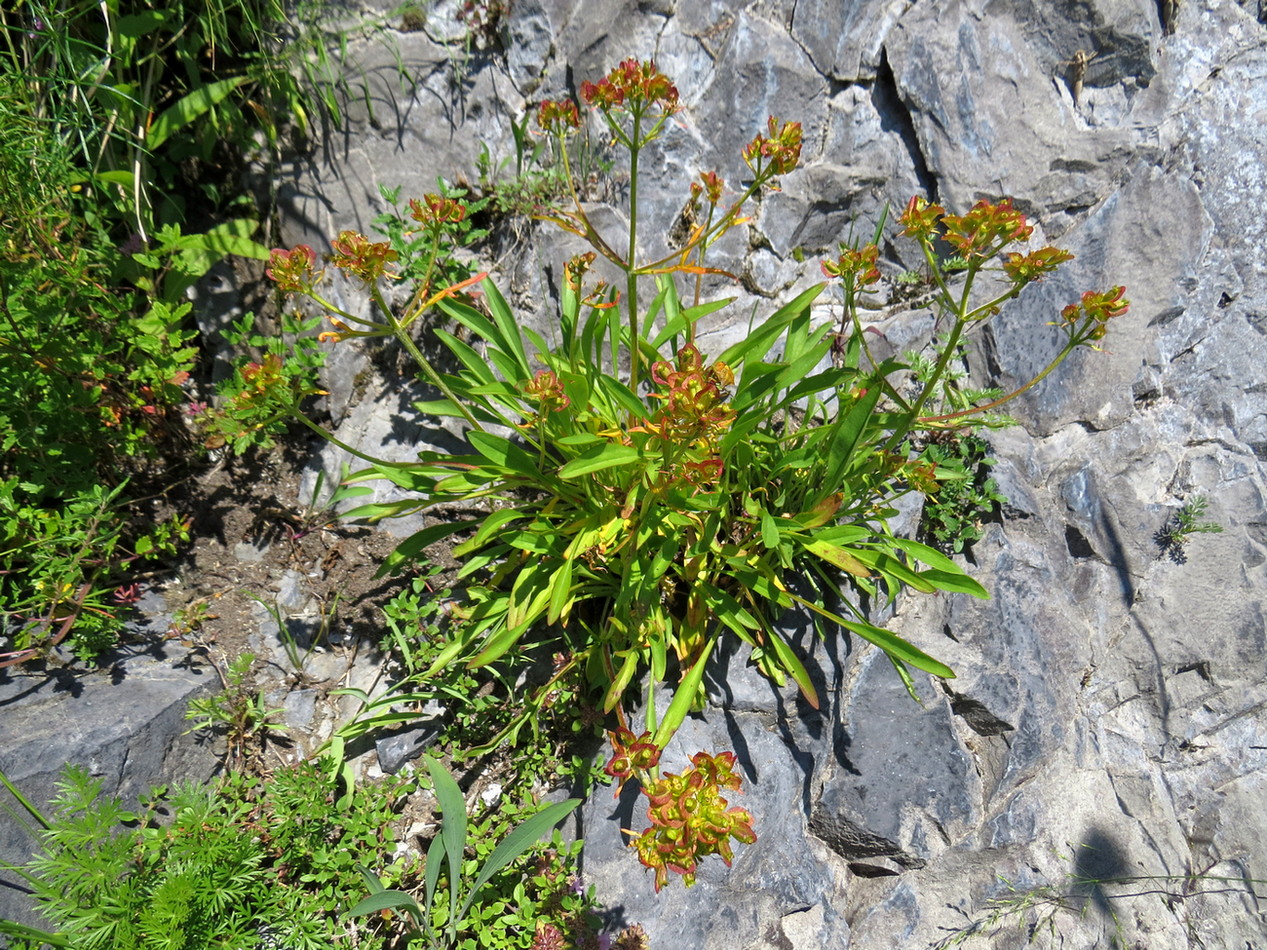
column 135, row 244
column 604, row 942
column 126, row 595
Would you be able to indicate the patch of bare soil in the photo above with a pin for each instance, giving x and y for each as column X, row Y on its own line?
column 268, row 575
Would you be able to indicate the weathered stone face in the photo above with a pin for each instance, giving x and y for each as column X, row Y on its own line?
column 1107, row 716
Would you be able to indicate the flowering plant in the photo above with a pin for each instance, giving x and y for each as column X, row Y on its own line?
column 633, row 501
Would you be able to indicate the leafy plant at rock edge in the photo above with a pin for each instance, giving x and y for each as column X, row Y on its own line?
column 260, row 399
column 240, row 711
column 651, row 501
column 438, row 923
column 964, row 495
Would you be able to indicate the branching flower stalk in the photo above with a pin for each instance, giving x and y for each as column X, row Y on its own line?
column 638, row 521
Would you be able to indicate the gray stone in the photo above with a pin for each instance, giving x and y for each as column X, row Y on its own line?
column 400, row 748
column 1106, row 718
column 125, row 725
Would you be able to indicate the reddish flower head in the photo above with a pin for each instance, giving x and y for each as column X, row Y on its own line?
column 436, row 210
column 920, row 218
column 777, row 152
column 357, row 255
column 294, row 271
column 1025, row 268
column 986, row 228
column 856, row 266
column 633, row 85
column 1089, row 318
column 558, row 116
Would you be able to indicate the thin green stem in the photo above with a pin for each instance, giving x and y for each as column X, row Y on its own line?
column 339, row 443
column 399, row 331
column 961, row 320
column 631, row 268
column 23, row 800
column 1069, row 348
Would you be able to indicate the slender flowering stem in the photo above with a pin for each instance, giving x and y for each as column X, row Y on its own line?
column 631, row 272
column 402, row 334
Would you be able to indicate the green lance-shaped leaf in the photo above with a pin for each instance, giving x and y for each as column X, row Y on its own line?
column 792, row 664
column 886, row 640
column 838, row 556
column 518, row 842
column 416, row 543
column 683, row 698
column 453, row 826
column 185, row 110
column 598, row 459
column 505, row 453
column 945, row 573
column 620, row 683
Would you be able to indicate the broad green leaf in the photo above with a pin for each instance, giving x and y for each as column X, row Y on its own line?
column 508, row 329
column 453, row 825
column 496, row 646
column 757, row 344
column 560, row 593
column 848, row 431
column 944, row 570
column 683, row 698
column 417, row 542
column 189, row 108
column 728, row 610
column 843, row 559
column 431, row 876
column 467, row 355
column 516, row 843
column 621, row 680
column 957, row 583
column 792, row 663
column 599, row 458
column 891, row 567
column 504, row 453
column 121, row 178
column 769, row 531
column 582, row 438
column 386, row 900
column 491, row 524
column 905, row 675
column 886, row 640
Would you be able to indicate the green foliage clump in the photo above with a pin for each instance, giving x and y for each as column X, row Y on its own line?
column 964, row 494
column 224, row 869
column 1172, row 538
column 633, row 502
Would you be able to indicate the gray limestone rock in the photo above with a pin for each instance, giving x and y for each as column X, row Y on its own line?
column 1106, row 725
column 125, row 726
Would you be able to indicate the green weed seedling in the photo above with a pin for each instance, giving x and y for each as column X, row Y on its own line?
column 439, row 925
column 241, row 713
column 1174, row 535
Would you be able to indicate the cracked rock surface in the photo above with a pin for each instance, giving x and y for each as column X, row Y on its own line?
column 1107, row 720
column 1100, row 761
